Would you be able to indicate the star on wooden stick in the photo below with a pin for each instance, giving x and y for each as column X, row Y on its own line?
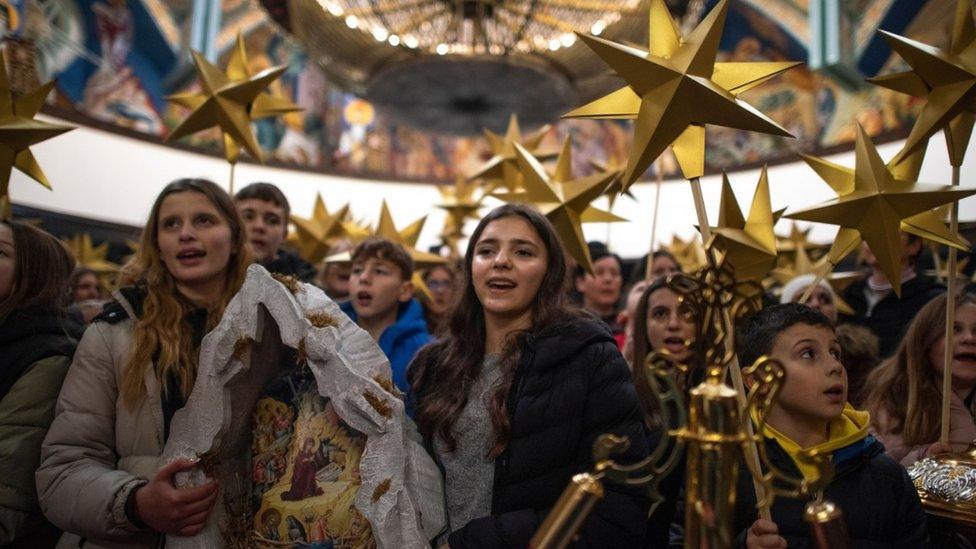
column 675, row 88
column 690, row 255
column 231, row 101
column 563, row 200
column 947, row 79
column 19, row 131
column 749, row 243
column 92, row 257
column 502, row 168
column 877, row 205
column 461, row 204
column 315, row 237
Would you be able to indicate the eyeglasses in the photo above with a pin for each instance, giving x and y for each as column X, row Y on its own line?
column 439, row 284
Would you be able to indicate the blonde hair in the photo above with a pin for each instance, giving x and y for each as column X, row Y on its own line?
column 907, row 386
column 162, row 335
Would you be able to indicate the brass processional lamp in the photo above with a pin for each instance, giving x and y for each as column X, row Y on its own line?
column 713, row 427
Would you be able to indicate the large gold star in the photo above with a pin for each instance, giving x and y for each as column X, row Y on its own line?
column 563, row 200
column 314, row 237
column 19, row 131
column 927, row 224
column 616, row 187
column 231, row 101
column 749, row 243
column 946, row 78
column 675, row 88
column 875, row 208
column 502, row 168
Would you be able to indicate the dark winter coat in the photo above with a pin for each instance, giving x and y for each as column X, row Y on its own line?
column 571, row 385
column 891, row 316
column 35, row 351
column 878, row 501
column 289, row 264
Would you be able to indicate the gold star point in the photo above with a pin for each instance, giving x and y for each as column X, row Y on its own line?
column 749, row 243
column 502, row 168
column 315, row 236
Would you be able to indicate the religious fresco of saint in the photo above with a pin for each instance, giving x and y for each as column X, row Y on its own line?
column 116, row 60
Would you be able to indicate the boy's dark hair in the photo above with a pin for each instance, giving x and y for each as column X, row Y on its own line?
column 758, row 333
column 266, row 192
column 385, row 250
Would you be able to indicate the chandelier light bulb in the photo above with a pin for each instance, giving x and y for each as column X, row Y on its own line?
column 352, row 21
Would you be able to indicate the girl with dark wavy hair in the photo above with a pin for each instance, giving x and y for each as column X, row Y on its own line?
column 513, row 396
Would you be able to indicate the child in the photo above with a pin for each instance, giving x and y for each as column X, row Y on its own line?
column 381, row 302
column 265, row 210
column 905, row 396
column 879, row 503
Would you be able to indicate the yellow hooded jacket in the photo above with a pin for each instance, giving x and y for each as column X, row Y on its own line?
column 848, row 428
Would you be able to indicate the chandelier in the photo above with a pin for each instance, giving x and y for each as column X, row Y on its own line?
column 466, row 27
column 459, row 66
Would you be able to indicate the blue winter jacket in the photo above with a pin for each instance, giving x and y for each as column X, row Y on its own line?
column 400, row 341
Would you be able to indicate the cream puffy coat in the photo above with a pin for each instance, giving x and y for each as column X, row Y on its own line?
column 97, row 449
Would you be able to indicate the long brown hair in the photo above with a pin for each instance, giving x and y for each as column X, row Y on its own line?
column 443, row 373
column 42, row 266
column 906, row 386
column 162, row 333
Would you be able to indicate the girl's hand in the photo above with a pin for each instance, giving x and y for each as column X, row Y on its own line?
column 764, row 534
column 171, row 510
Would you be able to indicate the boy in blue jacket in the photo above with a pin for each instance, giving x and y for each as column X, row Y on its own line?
column 381, row 302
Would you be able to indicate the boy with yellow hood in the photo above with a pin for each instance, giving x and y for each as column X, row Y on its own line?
column 879, row 503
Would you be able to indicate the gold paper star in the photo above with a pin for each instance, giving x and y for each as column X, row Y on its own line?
column 616, row 187
column 314, row 237
column 461, row 205
column 564, row 201
column 927, row 225
column 19, row 131
column 690, row 255
column 92, row 257
column 675, row 88
column 231, row 101
column 502, row 168
column 876, row 207
column 946, row 79
column 838, row 281
column 749, row 243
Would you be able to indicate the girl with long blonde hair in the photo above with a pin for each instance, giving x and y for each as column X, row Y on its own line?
column 904, row 393
column 100, row 477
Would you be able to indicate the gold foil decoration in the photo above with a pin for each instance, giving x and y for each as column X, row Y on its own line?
column 19, row 130
column 314, row 237
column 675, row 87
column 876, row 207
column 231, row 101
column 563, row 200
column 503, row 168
column 947, row 79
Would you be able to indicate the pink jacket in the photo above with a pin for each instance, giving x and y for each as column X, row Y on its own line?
column 962, row 432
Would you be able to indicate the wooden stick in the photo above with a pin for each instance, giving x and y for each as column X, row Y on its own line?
column 816, row 281
column 735, row 372
column 950, row 317
column 230, row 188
column 657, row 202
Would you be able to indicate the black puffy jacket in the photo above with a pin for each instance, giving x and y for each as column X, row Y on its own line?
column 878, row 501
column 570, row 386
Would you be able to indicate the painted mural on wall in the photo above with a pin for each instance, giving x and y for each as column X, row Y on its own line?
column 116, row 60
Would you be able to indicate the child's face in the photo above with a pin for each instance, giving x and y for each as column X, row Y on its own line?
column 963, row 349
column 376, row 288
column 670, row 327
column 265, row 225
column 816, row 382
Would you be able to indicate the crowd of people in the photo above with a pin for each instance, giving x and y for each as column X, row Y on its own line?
column 510, row 369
